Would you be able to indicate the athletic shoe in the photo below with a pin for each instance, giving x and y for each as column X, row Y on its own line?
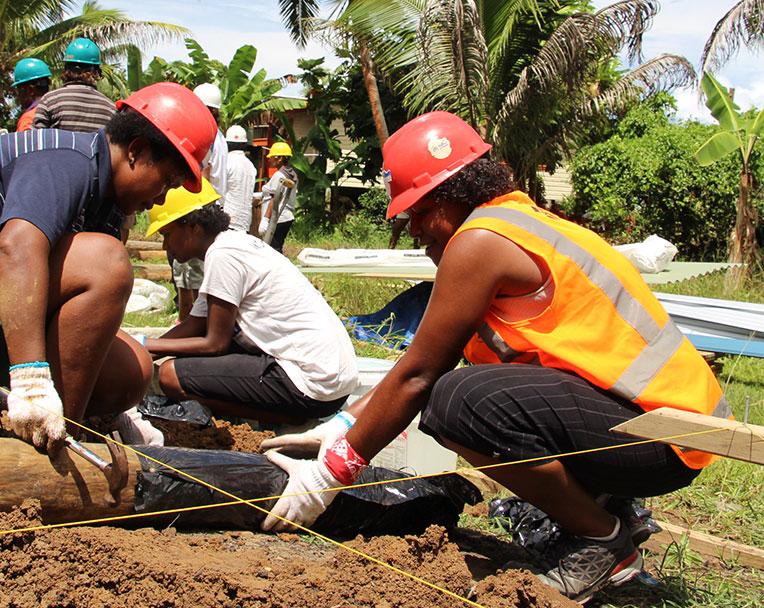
column 635, row 515
column 578, row 567
column 134, row 429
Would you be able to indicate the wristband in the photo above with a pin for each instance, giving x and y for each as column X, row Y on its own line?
column 347, row 419
column 40, row 364
column 343, row 462
column 140, row 338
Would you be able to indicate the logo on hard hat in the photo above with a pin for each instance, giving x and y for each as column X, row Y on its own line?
column 387, row 178
column 439, row 147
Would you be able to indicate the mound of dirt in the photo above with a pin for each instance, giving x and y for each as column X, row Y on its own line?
column 220, row 435
column 93, row 567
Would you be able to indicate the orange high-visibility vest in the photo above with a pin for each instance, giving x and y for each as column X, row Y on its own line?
column 602, row 322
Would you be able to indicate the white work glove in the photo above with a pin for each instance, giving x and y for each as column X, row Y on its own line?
column 263, row 225
column 35, row 410
column 313, row 442
column 302, row 501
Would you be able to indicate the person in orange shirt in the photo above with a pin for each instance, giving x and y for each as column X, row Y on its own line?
column 31, row 78
column 565, row 339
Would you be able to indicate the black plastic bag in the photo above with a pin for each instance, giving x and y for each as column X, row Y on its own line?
column 404, row 507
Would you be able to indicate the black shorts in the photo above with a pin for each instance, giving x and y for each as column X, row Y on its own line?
column 254, row 380
column 514, row 412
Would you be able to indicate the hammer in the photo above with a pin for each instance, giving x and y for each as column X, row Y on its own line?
column 116, row 471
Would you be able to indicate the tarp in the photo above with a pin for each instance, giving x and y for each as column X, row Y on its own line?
column 403, row 507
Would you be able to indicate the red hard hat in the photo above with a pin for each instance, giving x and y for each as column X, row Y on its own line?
column 424, row 153
column 181, row 117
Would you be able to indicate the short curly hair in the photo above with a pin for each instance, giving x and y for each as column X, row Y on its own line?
column 477, row 183
column 212, row 219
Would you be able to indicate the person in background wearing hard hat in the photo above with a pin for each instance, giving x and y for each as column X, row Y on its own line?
column 260, row 342
column 284, row 184
column 187, row 276
column 65, row 277
column 566, row 339
column 240, row 181
column 77, row 105
column 31, row 79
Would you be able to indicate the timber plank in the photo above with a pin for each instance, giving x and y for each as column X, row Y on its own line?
column 706, row 544
column 728, row 438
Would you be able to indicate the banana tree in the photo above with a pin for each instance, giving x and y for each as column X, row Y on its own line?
column 737, row 134
column 245, row 92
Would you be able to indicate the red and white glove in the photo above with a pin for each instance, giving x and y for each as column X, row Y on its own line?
column 311, row 485
column 314, row 441
column 35, row 410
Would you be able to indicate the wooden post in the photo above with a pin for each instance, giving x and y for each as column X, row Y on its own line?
column 728, row 438
column 68, row 488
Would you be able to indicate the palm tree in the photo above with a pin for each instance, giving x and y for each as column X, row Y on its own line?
column 41, row 28
column 742, row 25
column 525, row 73
column 299, row 16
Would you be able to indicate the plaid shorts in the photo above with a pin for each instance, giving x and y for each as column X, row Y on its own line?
column 515, row 412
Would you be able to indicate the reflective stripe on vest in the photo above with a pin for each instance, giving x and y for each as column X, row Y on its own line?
column 660, row 343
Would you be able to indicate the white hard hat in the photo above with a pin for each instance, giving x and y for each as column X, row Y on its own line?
column 209, row 94
column 236, row 134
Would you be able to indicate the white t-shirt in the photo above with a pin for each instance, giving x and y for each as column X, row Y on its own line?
column 241, row 177
column 274, row 185
column 217, row 162
column 280, row 313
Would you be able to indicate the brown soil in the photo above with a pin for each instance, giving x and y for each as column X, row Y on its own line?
column 95, row 567
column 220, row 435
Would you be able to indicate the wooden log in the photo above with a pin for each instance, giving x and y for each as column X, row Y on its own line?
column 728, row 438
column 150, row 255
column 153, row 272
column 144, row 245
column 68, row 487
column 705, row 544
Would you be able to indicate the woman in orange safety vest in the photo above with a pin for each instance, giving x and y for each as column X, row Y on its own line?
column 566, row 340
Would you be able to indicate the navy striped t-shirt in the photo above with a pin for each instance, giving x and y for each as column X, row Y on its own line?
column 57, row 180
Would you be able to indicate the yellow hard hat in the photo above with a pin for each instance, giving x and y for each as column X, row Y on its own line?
column 280, row 148
column 180, row 202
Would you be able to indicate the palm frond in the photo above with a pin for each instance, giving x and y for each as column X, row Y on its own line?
column 449, row 72
column 742, row 25
column 294, row 14
column 662, row 73
column 579, row 44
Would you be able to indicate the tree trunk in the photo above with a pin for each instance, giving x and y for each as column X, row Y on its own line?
column 372, row 90
column 744, row 248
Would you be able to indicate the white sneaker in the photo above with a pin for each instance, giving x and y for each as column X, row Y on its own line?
column 137, row 430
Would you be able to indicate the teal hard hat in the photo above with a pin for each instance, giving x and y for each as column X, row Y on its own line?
column 30, row 69
column 82, row 50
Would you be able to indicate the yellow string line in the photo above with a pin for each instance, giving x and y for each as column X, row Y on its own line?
column 230, row 503
column 251, row 503
column 295, row 524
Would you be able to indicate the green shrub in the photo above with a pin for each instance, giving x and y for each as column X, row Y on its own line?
column 645, row 180
column 372, row 205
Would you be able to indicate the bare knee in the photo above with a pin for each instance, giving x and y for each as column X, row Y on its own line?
column 124, row 378
column 89, row 261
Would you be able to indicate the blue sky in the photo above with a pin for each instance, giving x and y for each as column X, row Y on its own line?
column 221, row 26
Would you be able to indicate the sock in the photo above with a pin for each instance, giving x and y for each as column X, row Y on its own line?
column 609, row 537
